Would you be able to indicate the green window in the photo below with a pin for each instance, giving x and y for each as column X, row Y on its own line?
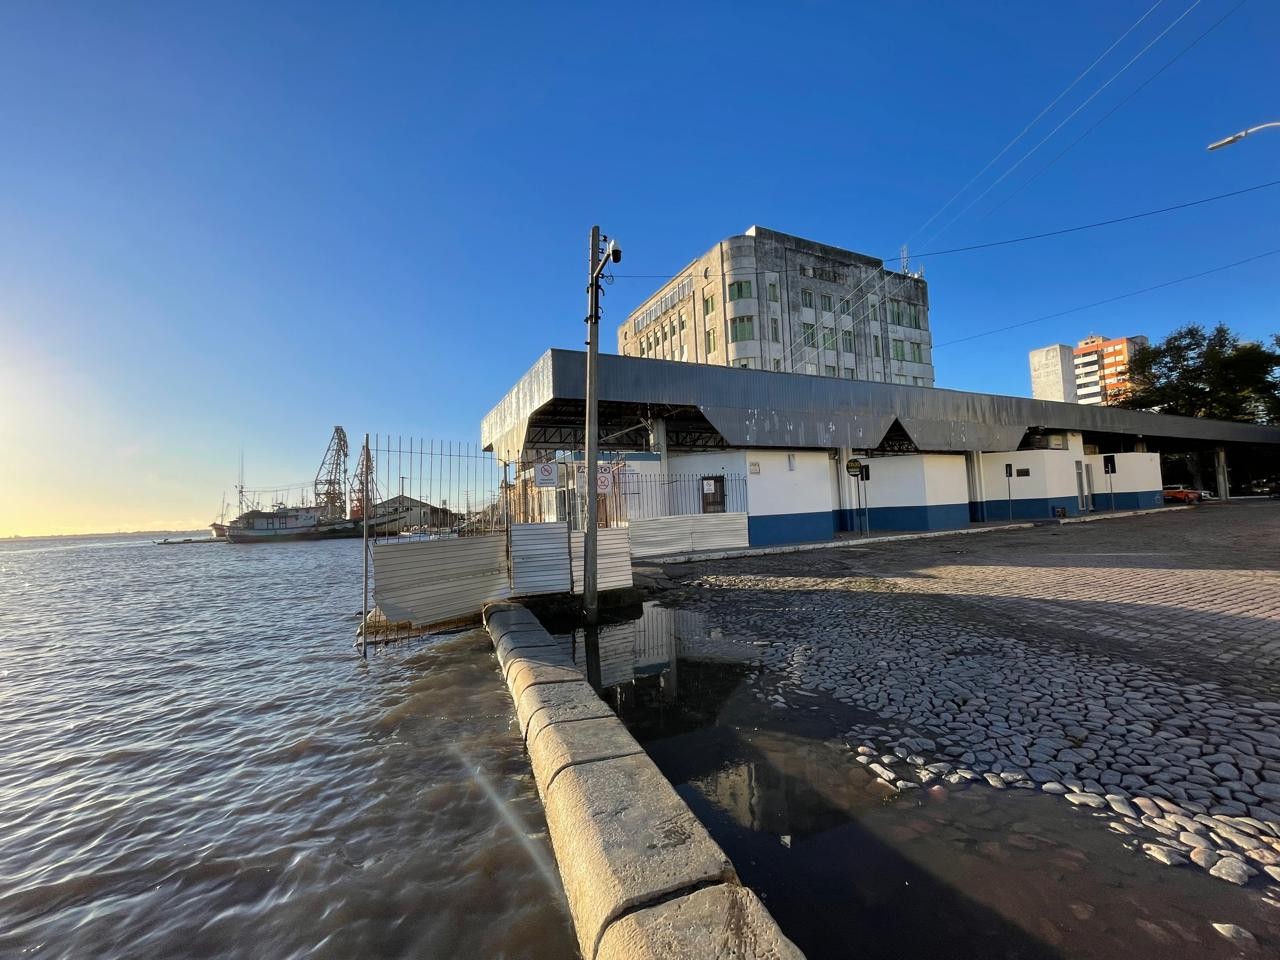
column 773, row 293
column 830, row 371
column 826, row 302
column 875, row 346
column 711, row 342
column 709, row 304
column 828, row 338
column 742, row 328
column 740, row 290
column 810, row 337
column 806, row 298
column 777, row 365
column 846, row 307
column 774, row 333
column 917, row 354
column 850, row 374
column 899, row 349
column 846, row 341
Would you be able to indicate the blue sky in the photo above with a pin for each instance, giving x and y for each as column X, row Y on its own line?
column 226, row 225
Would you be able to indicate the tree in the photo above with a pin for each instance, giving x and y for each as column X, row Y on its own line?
column 1192, row 373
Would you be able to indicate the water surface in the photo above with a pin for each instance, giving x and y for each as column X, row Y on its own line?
column 196, row 763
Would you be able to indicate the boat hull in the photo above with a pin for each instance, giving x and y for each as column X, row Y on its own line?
column 345, row 530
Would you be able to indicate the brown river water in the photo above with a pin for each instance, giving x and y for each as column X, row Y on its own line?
column 196, row 763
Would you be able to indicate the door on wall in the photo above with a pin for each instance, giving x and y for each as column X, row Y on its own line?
column 1088, row 484
column 713, row 495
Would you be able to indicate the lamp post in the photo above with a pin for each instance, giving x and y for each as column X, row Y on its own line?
column 601, row 257
column 1237, row 137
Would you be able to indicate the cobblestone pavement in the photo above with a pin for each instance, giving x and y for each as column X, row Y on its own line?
column 1130, row 665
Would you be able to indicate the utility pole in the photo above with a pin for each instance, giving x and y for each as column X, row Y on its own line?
column 598, row 260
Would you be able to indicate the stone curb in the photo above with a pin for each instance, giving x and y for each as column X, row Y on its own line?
column 862, row 541
column 643, row 878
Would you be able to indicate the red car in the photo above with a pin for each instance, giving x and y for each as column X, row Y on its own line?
column 1177, row 493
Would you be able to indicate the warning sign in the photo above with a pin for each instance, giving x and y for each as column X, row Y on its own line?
column 544, row 475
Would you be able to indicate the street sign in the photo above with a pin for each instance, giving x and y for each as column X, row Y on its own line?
column 544, row 475
column 1008, row 469
column 853, row 467
column 604, row 477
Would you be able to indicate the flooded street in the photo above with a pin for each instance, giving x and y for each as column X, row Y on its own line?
column 198, row 764
column 848, row 867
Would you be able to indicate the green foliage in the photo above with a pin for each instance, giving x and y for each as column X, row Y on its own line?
column 1192, row 373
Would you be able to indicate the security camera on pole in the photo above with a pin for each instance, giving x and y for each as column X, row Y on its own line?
column 601, row 257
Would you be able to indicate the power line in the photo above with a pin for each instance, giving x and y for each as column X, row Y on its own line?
column 1053, row 103
column 1005, row 242
column 1065, row 120
column 1099, row 303
column 1100, row 223
column 1213, row 26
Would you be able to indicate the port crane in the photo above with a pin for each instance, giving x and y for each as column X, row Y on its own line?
column 331, row 478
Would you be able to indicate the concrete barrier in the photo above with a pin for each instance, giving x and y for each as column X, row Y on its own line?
column 643, row 878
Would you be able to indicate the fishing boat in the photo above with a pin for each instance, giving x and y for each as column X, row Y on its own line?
column 288, row 523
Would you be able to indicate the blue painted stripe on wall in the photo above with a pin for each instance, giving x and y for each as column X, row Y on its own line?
column 1030, row 508
column 1140, row 500
column 938, row 516
column 770, row 530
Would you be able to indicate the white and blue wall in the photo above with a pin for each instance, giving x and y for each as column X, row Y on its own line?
column 1135, row 485
column 918, row 492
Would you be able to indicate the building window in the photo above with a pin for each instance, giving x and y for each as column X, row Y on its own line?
column 711, row 342
column 810, row 338
column 740, row 290
column 899, row 378
column 642, row 350
column 826, row 302
column 846, row 307
column 917, row 354
column 665, row 335
column 773, row 293
column 777, row 365
column 681, row 321
column 917, row 381
column 774, row 333
column 709, row 304
column 846, row 341
column 850, row 373
column 899, row 349
column 875, row 346
column 747, row 363
column 811, row 369
column 806, row 298
column 742, row 328
column 830, row 370
column 915, row 316
column 791, row 461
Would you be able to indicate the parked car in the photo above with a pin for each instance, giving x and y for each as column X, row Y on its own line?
column 1207, row 495
column 1177, row 493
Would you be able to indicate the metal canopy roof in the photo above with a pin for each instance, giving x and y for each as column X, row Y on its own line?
column 711, row 406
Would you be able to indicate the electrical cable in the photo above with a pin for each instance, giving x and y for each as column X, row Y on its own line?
column 1053, row 103
column 1026, row 183
column 1099, row 303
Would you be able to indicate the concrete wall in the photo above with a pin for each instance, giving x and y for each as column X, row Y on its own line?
column 921, row 492
column 792, row 498
column 643, row 878
column 1136, row 484
column 1050, row 486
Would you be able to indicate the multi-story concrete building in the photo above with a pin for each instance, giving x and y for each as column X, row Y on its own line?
column 770, row 301
column 1099, row 369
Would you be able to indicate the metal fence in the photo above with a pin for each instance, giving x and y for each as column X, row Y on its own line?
column 430, row 489
column 554, row 490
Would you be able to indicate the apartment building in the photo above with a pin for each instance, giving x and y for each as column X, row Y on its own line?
column 771, row 301
column 1098, row 371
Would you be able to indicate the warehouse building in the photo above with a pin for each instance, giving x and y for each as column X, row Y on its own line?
column 819, row 456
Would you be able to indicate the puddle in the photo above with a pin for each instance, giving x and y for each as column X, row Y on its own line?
column 948, row 871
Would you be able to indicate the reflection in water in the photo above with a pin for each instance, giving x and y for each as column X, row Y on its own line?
column 946, row 872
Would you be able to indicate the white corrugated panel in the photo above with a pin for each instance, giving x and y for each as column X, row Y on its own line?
column 613, row 566
column 661, row 537
column 539, row 558
column 719, row 531
column 431, row 581
column 666, row 536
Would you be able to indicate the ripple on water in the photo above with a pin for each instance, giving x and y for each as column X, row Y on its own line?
column 196, row 764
